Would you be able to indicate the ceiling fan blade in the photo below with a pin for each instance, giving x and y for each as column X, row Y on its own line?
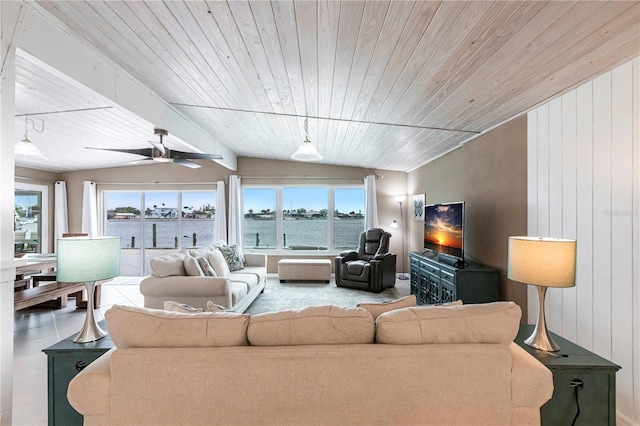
column 147, row 152
column 142, row 161
column 193, row 155
column 185, row 163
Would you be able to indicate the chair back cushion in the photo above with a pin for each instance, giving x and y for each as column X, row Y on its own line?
column 373, row 241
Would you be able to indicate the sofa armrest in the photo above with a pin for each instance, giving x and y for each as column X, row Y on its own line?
column 181, row 285
column 531, row 381
column 255, row 259
column 94, row 380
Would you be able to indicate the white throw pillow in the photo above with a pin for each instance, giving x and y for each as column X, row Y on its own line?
column 213, row 307
column 172, row 306
column 217, row 261
column 192, row 267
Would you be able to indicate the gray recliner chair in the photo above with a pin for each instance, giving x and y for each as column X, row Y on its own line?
column 371, row 267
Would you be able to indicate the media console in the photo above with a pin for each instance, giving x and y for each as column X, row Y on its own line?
column 434, row 281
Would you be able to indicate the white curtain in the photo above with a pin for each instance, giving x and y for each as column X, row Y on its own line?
column 89, row 209
column 235, row 211
column 220, row 224
column 370, row 203
column 60, row 214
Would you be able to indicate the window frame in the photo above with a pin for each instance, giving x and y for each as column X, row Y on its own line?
column 279, row 248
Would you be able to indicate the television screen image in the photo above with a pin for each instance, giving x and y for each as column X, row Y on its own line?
column 443, row 228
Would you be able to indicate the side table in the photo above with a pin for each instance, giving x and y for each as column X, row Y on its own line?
column 65, row 360
column 597, row 398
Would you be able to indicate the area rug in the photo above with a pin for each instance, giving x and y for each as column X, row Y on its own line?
column 291, row 295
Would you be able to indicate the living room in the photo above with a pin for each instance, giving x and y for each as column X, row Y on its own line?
column 506, row 177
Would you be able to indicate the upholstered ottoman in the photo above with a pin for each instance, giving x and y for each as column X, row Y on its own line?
column 304, row 270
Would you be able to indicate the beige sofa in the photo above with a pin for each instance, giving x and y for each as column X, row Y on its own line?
column 321, row 365
column 171, row 279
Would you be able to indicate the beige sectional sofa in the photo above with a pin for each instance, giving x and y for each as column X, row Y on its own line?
column 320, row 365
column 175, row 277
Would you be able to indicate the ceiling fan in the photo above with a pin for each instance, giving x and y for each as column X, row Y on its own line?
column 160, row 153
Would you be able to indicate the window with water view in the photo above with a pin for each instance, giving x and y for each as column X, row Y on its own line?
column 302, row 217
column 151, row 223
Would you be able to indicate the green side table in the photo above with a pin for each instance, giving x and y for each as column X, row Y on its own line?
column 597, row 398
column 65, row 360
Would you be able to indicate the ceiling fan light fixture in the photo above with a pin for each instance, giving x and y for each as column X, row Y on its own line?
column 161, row 159
column 306, row 151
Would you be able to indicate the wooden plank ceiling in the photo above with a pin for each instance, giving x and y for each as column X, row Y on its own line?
column 385, row 84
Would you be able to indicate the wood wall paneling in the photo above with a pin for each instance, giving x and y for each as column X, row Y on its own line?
column 583, row 175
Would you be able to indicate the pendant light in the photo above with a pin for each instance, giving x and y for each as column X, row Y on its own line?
column 306, row 151
column 26, row 148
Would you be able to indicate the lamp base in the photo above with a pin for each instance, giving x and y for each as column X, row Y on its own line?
column 402, row 277
column 91, row 331
column 540, row 338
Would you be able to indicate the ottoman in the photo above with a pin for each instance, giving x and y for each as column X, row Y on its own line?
column 304, row 270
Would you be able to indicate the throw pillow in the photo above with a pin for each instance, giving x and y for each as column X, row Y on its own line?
column 168, row 265
column 206, row 266
column 216, row 259
column 233, row 257
column 172, row 306
column 192, row 267
column 213, row 307
column 375, row 309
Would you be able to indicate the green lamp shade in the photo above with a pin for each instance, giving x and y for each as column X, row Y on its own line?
column 82, row 259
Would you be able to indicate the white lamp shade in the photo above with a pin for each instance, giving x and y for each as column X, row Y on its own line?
column 548, row 262
column 394, row 224
column 306, row 152
column 82, row 259
column 26, row 148
column 400, row 198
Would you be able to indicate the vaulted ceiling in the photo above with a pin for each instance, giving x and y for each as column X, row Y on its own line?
column 384, row 84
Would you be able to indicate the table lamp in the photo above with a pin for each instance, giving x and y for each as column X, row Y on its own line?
column 87, row 260
column 543, row 262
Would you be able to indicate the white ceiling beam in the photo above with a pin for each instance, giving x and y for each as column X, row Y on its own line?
column 78, row 63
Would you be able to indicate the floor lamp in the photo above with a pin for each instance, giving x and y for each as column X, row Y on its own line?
column 543, row 262
column 396, row 224
column 87, row 260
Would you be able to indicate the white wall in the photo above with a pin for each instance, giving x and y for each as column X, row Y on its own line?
column 584, row 183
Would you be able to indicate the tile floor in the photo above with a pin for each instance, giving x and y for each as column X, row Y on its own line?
column 36, row 329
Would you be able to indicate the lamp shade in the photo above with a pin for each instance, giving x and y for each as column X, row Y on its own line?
column 26, row 148
column 548, row 262
column 306, row 152
column 82, row 259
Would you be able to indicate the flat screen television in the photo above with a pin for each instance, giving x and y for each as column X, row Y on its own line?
column 444, row 231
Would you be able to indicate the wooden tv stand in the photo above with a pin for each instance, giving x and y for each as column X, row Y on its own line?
column 434, row 282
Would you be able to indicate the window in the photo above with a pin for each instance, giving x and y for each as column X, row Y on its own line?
column 149, row 223
column 302, row 217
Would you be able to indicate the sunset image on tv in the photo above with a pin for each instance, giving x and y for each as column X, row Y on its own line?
column 443, row 228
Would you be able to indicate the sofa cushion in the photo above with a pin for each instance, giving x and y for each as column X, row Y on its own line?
column 206, row 267
column 218, row 263
column 249, row 279
column 376, row 309
column 233, row 257
column 312, row 325
column 167, row 265
column 192, row 267
column 135, row 327
column 496, row 322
